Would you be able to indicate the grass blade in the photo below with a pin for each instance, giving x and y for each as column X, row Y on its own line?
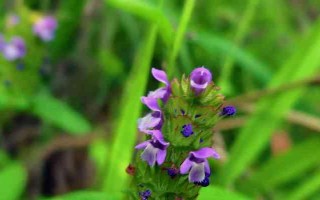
column 214, row 192
column 284, row 168
column 178, row 41
column 307, row 189
column 270, row 111
column 125, row 134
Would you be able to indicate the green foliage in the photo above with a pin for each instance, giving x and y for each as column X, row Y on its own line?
column 59, row 114
column 251, row 140
column 125, row 133
column 84, row 195
column 13, row 181
column 216, row 192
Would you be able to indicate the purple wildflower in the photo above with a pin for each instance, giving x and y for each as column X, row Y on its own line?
column 2, row 42
column 45, row 28
column 228, row 111
column 145, row 194
column 162, row 93
column 197, row 164
column 155, row 150
column 14, row 49
column 150, row 121
column 172, row 172
column 187, row 130
column 199, row 79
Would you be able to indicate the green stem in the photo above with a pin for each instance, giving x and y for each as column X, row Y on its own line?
column 242, row 30
column 180, row 34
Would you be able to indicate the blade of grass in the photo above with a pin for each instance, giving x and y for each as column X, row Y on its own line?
column 180, row 34
column 243, row 29
column 270, row 111
column 220, row 194
column 147, row 12
column 125, row 134
column 216, row 45
column 307, row 188
column 284, row 168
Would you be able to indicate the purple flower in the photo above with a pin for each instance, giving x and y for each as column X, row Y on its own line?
column 199, row 79
column 187, row 130
column 162, row 93
column 45, row 28
column 150, row 121
column 197, row 164
column 205, row 182
column 155, row 150
column 145, row 194
column 14, row 49
column 228, row 111
column 2, row 43
column 172, row 172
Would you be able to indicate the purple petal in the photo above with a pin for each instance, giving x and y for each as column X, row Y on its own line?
column 45, row 28
column 200, row 78
column 205, row 152
column 160, row 76
column 159, row 93
column 148, row 122
column 185, row 166
column 142, row 145
column 157, row 135
column 161, row 156
column 14, row 49
column 150, row 103
column 207, row 167
column 197, row 173
column 150, row 154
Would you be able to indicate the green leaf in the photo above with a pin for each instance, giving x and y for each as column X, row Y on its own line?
column 147, row 12
column 59, row 114
column 125, row 132
column 214, row 192
column 306, row 189
column 214, row 44
column 284, row 168
column 84, row 195
column 270, row 111
column 12, row 181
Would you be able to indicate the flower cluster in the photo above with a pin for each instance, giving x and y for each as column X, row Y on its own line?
column 15, row 48
column 179, row 127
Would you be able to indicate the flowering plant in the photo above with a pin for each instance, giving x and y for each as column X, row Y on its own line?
column 173, row 162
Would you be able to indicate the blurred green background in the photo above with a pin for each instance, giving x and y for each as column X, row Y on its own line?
column 68, row 118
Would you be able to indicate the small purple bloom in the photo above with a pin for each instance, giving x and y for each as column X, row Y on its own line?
column 145, row 194
column 45, row 28
column 228, row 111
column 172, row 172
column 155, row 150
column 199, row 79
column 15, row 49
column 2, row 42
column 150, row 121
column 187, row 130
column 151, row 103
column 197, row 164
column 162, row 93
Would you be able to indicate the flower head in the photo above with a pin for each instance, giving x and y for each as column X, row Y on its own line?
column 2, row 43
column 199, row 79
column 15, row 49
column 45, row 28
column 145, row 194
column 197, row 164
column 228, row 111
column 162, row 93
column 187, row 130
column 155, row 150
